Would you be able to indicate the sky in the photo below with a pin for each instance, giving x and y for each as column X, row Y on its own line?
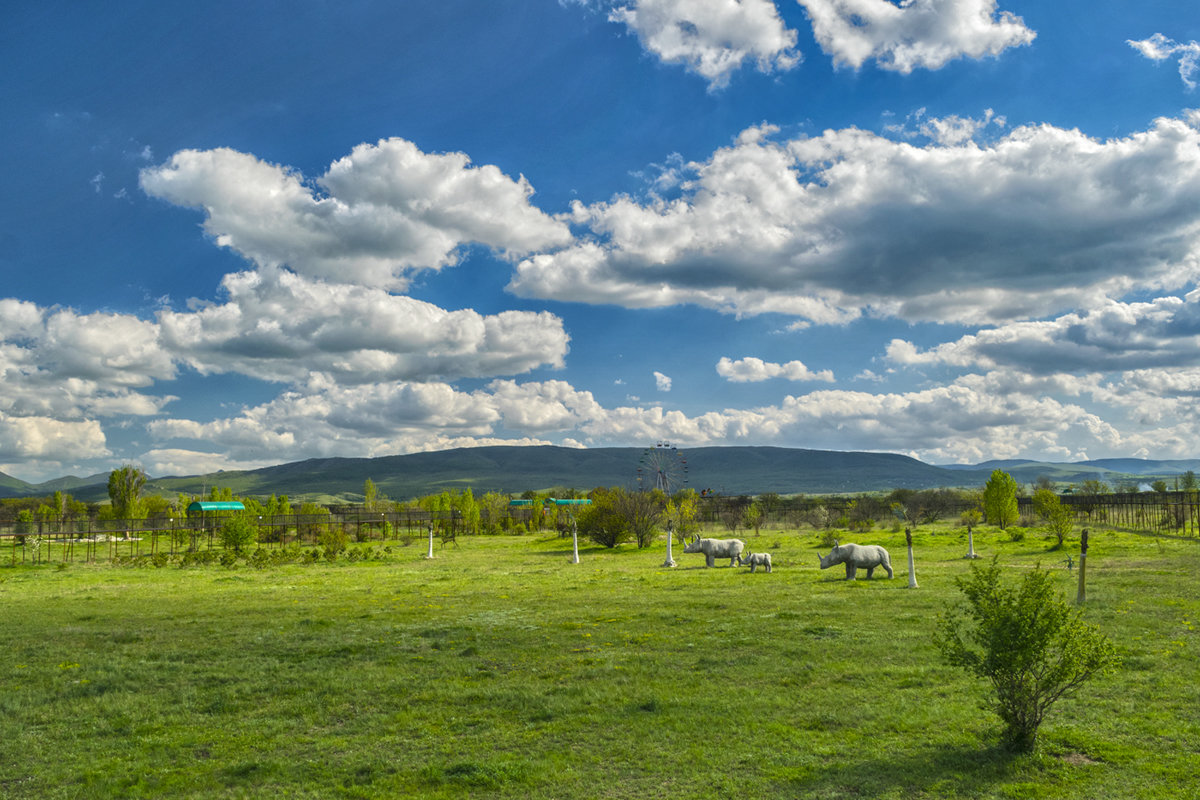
column 238, row 234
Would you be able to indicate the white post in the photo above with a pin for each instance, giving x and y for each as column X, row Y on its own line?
column 970, row 543
column 670, row 562
column 574, row 541
column 430, row 541
column 912, row 570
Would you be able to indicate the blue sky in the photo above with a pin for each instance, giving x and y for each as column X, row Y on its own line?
column 241, row 234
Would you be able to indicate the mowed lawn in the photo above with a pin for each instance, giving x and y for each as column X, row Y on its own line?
column 499, row 669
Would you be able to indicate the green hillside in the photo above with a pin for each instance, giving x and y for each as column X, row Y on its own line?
column 507, row 469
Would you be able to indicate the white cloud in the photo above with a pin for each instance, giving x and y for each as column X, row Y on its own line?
column 1113, row 337
column 48, row 442
column 382, row 212
column 1160, row 48
column 754, row 370
column 830, row 227
column 61, row 365
column 280, row 326
column 712, row 38
column 662, row 382
column 915, row 34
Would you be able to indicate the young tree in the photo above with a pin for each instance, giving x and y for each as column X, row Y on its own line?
column 1027, row 642
column 370, row 495
column 238, row 532
column 681, row 512
column 641, row 512
column 1058, row 517
column 753, row 517
column 1000, row 499
column 125, row 491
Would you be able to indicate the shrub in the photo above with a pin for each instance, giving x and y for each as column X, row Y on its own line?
column 237, row 533
column 333, row 541
column 1028, row 643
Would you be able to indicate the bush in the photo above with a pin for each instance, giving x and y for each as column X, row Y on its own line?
column 237, row 533
column 1029, row 644
column 333, row 541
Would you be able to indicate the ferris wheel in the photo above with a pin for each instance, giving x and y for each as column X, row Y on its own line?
column 662, row 467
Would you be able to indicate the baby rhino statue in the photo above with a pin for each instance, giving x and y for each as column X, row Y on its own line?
column 716, row 548
column 868, row 556
column 755, row 560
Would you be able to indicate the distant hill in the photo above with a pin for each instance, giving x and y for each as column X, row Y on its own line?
column 508, row 469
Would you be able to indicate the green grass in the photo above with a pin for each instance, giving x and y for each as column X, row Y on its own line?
column 498, row 669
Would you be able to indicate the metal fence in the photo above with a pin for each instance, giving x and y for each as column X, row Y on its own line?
column 90, row 539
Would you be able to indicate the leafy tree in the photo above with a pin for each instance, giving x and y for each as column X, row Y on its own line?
column 370, row 495
column 1159, row 486
column 1000, row 499
column 601, row 522
column 1187, row 481
column 753, row 517
column 681, row 511
column 238, row 532
column 468, row 511
column 125, row 491
column 1027, row 642
column 641, row 513
column 1058, row 517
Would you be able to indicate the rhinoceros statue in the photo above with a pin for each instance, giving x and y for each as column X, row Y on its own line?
column 716, row 548
column 867, row 556
column 755, row 560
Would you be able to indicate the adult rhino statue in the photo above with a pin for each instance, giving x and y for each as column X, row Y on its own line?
column 716, row 548
column 867, row 556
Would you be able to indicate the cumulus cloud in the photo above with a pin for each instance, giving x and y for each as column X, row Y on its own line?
column 755, row 370
column 45, row 439
column 1113, row 337
column 324, row 419
column 915, row 34
column 375, row 217
column 712, row 38
column 662, row 382
column 830, row 227
column 1160, row 48
column 59, row 364
column 281, row 326
column 972, row 418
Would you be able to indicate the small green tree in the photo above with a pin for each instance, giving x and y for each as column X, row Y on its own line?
column 1059, row 518
column 602, row 522
column 238, row 532
column 1027, row 642
column 1000, row 499
column 753, row 517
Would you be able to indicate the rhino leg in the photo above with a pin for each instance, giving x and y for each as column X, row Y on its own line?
column 870, row 572
column 708, row 559
column 851, row 570
column 888, row 567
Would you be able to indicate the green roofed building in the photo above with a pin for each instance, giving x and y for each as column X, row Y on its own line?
column 201, row 506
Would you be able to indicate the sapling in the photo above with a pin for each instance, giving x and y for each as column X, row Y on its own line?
column 1031, row 646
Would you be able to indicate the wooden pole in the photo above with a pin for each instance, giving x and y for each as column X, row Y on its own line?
column 971, row 543
column 912, row 570
column 1082, row 596
column 670, row 562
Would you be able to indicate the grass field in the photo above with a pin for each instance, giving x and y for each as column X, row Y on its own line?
column 498, row 669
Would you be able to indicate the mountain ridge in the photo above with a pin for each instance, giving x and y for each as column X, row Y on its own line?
column 511, row 469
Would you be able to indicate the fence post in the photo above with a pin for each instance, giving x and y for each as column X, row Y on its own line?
column 912, row 570
column 1083, row 544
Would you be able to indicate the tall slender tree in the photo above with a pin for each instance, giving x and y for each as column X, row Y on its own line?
column 125, row 491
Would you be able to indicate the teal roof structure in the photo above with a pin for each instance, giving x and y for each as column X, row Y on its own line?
column 216, row 505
